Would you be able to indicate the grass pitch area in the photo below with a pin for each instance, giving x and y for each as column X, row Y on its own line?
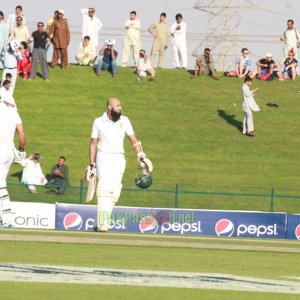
column 271, row 266
column 190, row 129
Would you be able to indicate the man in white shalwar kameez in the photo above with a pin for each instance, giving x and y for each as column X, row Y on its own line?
column 3, row 37
column 178, row 43
column 249, row 105
column 91, row 25
column 132, row 39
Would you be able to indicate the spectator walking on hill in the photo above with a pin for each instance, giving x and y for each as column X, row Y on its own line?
column 4, row 34
column 59, row 180
column 205, row 65
column 12, row 18
column 249, row 105
column 91, row 25
column 161, row 35
column 61, row 40
column 107, row 155
column 132, row 39
column 32, row 172
column 291, row 39
column 86, row 54
column 40, row 40
column 108, row 58
column 178, row 43
column 10, row 122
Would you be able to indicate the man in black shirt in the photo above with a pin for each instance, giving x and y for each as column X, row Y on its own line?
column 40, row 38
column 265, row 66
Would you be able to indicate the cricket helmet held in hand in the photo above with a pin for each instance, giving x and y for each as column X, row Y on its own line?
column 144, row 181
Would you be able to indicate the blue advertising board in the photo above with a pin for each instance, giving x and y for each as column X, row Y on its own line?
column 176, row 221
column 293, row 227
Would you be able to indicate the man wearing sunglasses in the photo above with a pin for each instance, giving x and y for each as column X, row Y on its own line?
column 243, row 65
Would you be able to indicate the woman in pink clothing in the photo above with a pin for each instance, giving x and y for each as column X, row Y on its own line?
column 24, row 62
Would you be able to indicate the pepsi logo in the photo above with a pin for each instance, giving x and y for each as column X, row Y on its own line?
column 297, row 232
column 72, row 221
column 148, row 224
column 224, row 227
column 162, row 217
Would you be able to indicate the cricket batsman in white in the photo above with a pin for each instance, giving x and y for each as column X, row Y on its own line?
column 107, row 155
column 10, row 122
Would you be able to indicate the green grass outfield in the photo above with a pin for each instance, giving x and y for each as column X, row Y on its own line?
column 264, row 259
column 190, row 129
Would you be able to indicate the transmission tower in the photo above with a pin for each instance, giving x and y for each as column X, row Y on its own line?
column 223, row 29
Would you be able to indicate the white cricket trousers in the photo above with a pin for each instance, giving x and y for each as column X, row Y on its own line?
column 248, row 121
column 110, row 169
column 6, row 160
column 179, row 52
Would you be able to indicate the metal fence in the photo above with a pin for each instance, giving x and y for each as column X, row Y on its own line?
column 177, row 196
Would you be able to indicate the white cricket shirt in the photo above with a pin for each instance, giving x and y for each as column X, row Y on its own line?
column 9, row 119
column 111, row 134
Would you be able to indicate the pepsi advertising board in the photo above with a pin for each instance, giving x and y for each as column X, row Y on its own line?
column 176, row 221
column 293, row 227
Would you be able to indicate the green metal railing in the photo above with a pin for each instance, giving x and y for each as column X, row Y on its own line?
column 177, row 196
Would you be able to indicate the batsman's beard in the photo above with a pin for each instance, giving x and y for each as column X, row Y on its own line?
column 115, row 115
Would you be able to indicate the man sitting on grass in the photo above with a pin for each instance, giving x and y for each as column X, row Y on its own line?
column 205, row 65
column 59, row 177
column 144, row 67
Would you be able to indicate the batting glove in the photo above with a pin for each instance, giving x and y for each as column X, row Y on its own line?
column 90, row 172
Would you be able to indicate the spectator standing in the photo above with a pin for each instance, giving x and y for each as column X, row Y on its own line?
column 161, row 34
column 12, row 18
column 291, row 39
column 178, row 44
column 91, row 25
column 4, row 33
column 108, row 60
column 249, row 105
column 50, row 23
column 61, row 40
column 11, row 57
column 40, row 39
column 20, row 32
column 132, row 39
column 86, row 54
column 24, row 62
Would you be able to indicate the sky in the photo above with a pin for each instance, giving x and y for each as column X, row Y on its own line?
column 260, row 27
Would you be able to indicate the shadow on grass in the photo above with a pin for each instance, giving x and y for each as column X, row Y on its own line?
column 230, row 119
column 18, row 175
